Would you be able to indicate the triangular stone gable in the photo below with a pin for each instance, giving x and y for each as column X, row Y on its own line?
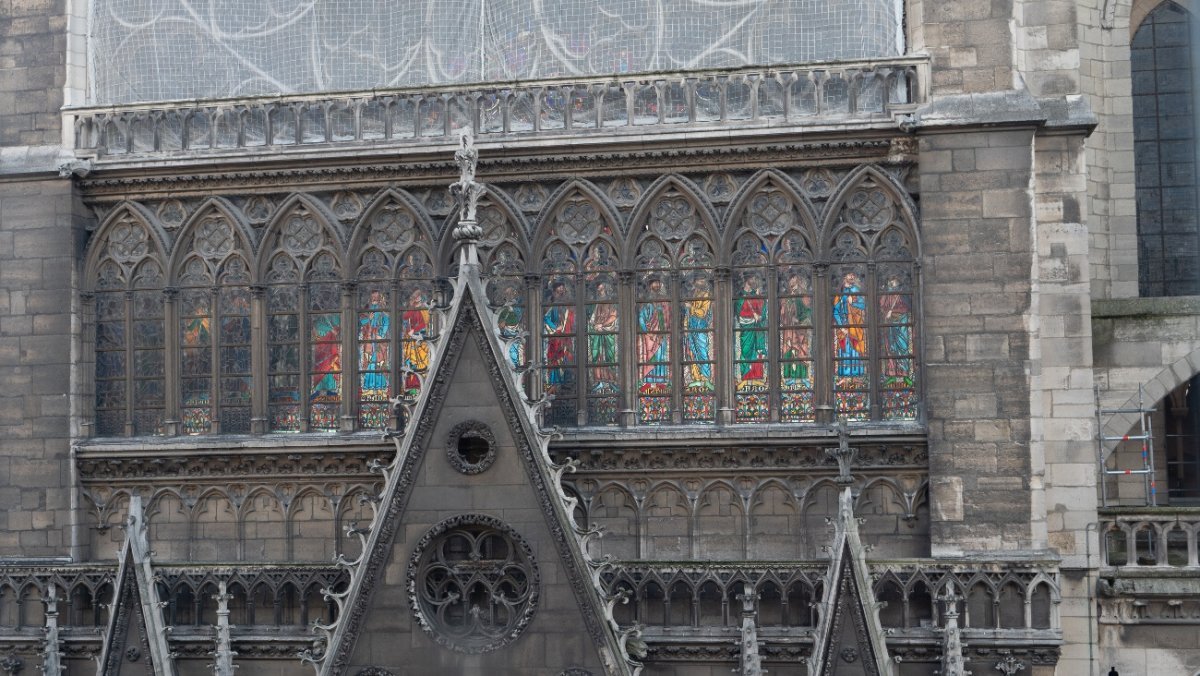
column 849, row 639
column 471, row 382
column 136, row 643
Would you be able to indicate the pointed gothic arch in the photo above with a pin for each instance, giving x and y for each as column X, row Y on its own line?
column 871, row 247
column 578, row 303
column 673, row 247
column 769, row 242
column 126, row 277
column 302, row 264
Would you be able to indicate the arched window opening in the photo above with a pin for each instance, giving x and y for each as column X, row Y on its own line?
column 129, row 342
column 195, row 347
column 772, row 312
column 304, row 318
column 503, row 264
column 1181, row 413
column 324, row 386
column 417, row 326
column 375, row 312
column 234, row 368
column 580, row 316
column 1162, row 59
column 283, row 351
column 675, row 315
column 214, row 330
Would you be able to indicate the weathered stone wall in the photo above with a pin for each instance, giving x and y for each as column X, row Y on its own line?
column 41, row 239
column 1104, row 78
column 971, row 44
column 976, row 205
column 33, row 53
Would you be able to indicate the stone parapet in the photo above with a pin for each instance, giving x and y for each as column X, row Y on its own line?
column 836, row 93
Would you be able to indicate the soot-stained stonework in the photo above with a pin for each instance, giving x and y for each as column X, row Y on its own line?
column 473, row 583
column 462, row 436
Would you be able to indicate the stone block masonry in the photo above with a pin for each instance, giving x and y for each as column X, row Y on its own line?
column 977, row 225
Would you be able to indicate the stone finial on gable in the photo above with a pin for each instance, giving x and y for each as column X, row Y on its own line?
column 223, row 656
column 953, row 663
column 467, row 191
column 52, row 655
column 751, row 660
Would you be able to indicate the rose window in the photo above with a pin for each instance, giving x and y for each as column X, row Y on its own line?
column 473, row 583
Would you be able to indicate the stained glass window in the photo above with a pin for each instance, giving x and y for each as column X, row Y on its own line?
column 696, row 332
column 794, row 293
column 196, row 347
column 559, row 319
column 149, row 392
column 897, row 371
column 654, row 316
column 675, row 314
column 130, row 338
column 851, row 333
column 774, row 325
column 417, row 327
column 324, row 320
column 603, row 380
column 751, row 319
column 375, row 291
column 234, row 347
column 504, row 269
column 111, row 345
column 507, row 295
column 283, row 345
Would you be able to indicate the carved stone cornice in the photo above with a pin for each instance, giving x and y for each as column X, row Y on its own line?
column 792, row 457
column 116, row 468
column 117, row 185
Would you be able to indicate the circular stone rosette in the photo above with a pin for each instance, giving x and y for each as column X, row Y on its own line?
column 471, row 447
column 473, row 583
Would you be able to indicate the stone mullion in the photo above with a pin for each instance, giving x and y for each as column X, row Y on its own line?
column 722, row 345
column 214, row 348
column 304, row 347
column 129, row 359
column 627, row 339
column 874, row 344
column 349, row 337
column 533, row 337
column 823, row 367
column 171, row 361
column 258, row 359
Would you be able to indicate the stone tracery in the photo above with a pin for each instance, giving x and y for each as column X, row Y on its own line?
column 699, row 269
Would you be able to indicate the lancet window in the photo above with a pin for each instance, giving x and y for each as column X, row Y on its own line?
column 130, row 340
column 503, row 265
column 305, row 343
column 580, row 316
column 395, row 324
column 871, row 291
column 675, row 367
column 770, row 313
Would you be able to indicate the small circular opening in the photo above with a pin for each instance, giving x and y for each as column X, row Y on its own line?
column 472, row 449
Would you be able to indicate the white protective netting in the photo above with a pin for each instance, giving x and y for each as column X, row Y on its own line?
column 157, row 50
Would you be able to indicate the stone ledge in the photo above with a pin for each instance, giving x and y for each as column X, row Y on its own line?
column 1115, row 308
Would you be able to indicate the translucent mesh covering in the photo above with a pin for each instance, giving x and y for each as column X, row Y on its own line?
column 157, row 50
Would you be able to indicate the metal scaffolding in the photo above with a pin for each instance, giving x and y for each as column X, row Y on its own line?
column 1145, row 437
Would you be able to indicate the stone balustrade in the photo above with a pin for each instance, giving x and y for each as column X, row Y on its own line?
column 1150, row 537
column 811, row 95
